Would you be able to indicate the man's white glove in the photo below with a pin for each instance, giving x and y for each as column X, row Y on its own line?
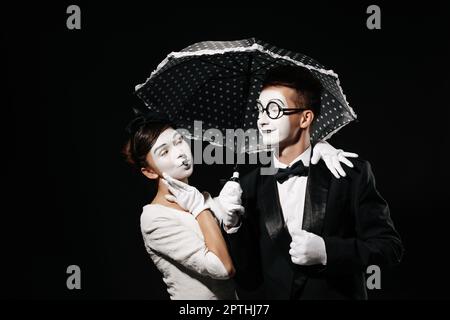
column 332, row 157
column 229, row 202
column 307, row 249
column 187, row 197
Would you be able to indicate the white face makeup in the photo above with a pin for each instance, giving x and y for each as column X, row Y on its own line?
column 273, row 131
column 172, row 155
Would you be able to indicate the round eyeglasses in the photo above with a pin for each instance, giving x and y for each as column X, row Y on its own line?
column 275, row 110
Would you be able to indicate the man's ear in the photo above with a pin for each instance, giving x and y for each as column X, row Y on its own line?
column 306, row 119
column 149, row 173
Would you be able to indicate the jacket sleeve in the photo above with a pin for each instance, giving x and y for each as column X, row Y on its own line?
column 376, row 241
column 244, row 243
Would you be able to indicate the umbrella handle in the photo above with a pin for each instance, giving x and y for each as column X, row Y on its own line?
column 235, row 176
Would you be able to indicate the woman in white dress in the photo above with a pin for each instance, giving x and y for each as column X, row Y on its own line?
column 180, row 232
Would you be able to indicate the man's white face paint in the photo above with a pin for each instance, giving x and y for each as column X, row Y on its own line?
column 172, row 154
column 273, row 131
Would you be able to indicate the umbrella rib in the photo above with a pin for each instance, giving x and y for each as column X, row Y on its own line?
column 227, row 78
column 218, row 65
column 263, row 66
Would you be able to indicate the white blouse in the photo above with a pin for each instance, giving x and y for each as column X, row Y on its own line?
column 176, row 245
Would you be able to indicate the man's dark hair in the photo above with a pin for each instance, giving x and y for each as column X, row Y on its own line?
column 301, row 79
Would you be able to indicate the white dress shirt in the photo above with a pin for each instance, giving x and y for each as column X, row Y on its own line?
column 292, row 193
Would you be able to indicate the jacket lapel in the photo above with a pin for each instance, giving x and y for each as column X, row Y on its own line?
column 272, row 214
column 316, row 198
column 268, row 193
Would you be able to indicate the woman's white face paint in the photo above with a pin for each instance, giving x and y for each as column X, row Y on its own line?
column 172, row 154
column 273, row 131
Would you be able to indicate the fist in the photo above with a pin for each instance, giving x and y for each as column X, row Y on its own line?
column 229, row 201
column 231, row 192
column 307, row 249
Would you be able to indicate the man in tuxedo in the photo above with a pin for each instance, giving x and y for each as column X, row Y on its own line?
column 306, row 234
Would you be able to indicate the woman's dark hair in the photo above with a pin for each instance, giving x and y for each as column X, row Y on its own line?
column 300, row 79
column 143, row 131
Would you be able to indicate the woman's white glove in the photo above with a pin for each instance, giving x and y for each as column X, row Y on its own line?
column 332, row 158
column 229, row 200
column 187, row 197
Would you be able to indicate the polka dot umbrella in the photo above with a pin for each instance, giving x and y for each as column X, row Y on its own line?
column 218, row 82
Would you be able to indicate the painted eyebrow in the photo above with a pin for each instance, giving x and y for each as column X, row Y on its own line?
column 281, row 101
column 176, row 132
column 163, row 145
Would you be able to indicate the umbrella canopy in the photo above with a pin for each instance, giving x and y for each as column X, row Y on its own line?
column 218, row 82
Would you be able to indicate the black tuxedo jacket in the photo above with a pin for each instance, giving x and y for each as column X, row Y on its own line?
column 348, row 213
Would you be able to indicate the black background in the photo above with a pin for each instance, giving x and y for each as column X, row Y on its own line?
column 71, row 199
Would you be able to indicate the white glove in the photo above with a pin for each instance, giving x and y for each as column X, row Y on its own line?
column 307, row 249
column 187, row 197
column 229, row 201
column 332, row 157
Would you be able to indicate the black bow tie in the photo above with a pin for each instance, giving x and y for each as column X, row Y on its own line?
column 297, row 169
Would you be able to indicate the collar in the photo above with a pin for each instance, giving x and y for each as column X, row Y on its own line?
column 305, row 157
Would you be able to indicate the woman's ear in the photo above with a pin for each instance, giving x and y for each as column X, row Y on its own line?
column 149, row 173
column 306, row 119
